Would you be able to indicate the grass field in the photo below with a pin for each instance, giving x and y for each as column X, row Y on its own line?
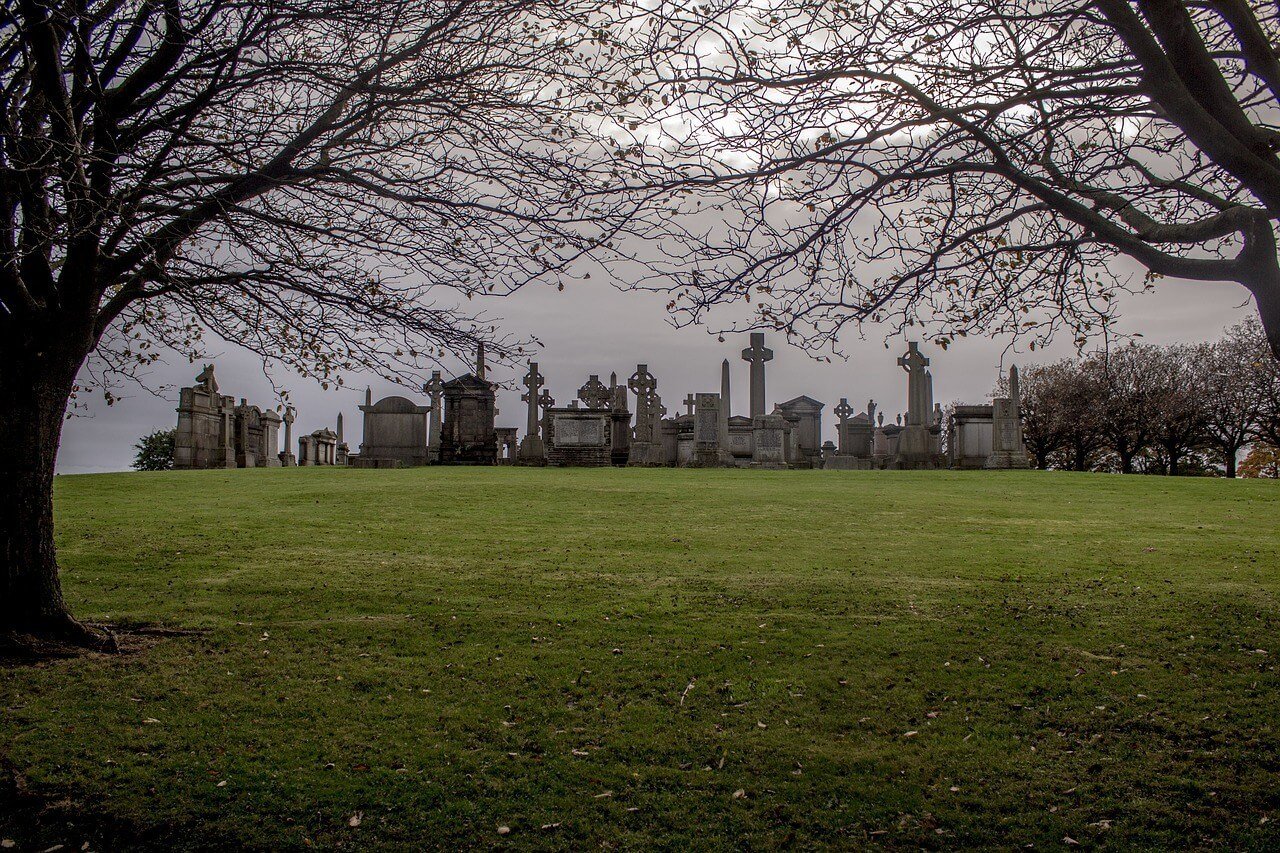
column 627, row 658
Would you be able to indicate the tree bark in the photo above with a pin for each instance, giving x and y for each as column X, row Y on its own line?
column 35, row 389
column 1231, row 462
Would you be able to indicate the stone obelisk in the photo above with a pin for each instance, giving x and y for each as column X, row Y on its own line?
column 725, row 411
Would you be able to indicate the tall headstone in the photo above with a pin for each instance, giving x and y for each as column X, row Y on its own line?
column 1007, row 447
column 287, row 457
column 533, row 449
column 843, row 411
column 756, row 355
column 644, row 386
column 620, row 424
column 917, row 443
column 707, row 451
column 435, row 390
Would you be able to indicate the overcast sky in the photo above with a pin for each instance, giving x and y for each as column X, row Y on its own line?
column 592, row 328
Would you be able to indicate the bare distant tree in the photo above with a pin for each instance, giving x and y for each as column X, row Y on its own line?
column 318, row 180
column 1233, row 371
column 1127, row 408
column 977, row 167
column 1180, row 405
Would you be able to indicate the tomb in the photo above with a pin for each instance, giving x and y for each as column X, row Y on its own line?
column 395, row 433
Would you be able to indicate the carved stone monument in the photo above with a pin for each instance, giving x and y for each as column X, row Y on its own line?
column 395, row 433
column 770, row 450
column 1007, row 447
column 756, row 355
column 533, row 450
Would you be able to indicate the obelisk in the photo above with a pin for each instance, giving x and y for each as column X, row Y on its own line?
column 725, row 412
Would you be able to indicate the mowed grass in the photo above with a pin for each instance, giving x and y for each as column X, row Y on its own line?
column 639, row 658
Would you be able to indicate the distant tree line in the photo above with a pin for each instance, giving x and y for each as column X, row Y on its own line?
column 1143, row 408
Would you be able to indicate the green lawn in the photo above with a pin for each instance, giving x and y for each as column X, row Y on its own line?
column 629, row 658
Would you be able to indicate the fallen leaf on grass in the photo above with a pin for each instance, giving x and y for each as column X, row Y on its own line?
column 222, row 784
column 551, row 825
column 911, row 734
column 150, row 720
column 739, row 794
column 355, row 819
column 1067, row 839
column 504, row 830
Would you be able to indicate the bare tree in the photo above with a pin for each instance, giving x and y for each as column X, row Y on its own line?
column 1233, row 371
column 318, row 180
column 978, row 167
column 1126, row 405
column 1180, row 409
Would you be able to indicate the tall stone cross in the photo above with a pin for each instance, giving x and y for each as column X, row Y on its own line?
column 594, row 394
column 914, row 363
column 546, row 401
column 843, row 411
column 756, row 355
column 534, row 381
column 689, row 402
column 434, row 390
column 643, row 384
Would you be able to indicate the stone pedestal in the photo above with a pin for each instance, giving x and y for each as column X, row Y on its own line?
column 769, row 442
column 580, row 438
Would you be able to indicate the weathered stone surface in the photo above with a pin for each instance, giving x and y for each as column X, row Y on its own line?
column 805, row 416
column 769, row 442
column 756, row 355
column 970, row 445
column 469, row 435
column 1007, row 447
column 580, row 437
column 394, row 428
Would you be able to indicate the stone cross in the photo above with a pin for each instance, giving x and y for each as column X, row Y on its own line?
column 546, row 401
column 533, row 380
column 689, row 402
column 914, row 363
column 434, row 389
column 843, row 411
column 594, row 394
column 643, row 384
column 756, row 355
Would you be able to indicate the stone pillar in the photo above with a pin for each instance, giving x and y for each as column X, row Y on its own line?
column 756, row 355
column 726, row 408
column 269, row 452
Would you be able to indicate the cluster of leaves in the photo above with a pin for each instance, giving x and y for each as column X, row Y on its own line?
column 1160, row 409
column 155, row 451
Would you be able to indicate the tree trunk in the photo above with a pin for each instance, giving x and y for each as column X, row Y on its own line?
column 1126, row 459
column 35, row 388
column 1231, row 463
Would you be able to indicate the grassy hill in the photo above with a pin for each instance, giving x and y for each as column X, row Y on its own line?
column 572, row 658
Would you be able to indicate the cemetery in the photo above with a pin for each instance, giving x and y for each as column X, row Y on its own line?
column 615, row 424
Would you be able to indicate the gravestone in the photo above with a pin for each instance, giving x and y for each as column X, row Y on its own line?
column 395, row 433
column 726, row 406
column 533, row 450
column 595, row 394
column 644, row 386
column 287, row 457
column 508, row 445
column 435, row 390
column 707, row 452
column 269, row 452
column 769, row 449
column 1007, row 447
column 580, row 437
column 970, row 442
column 917, row 443
column 756, row 355
column 620, row 420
